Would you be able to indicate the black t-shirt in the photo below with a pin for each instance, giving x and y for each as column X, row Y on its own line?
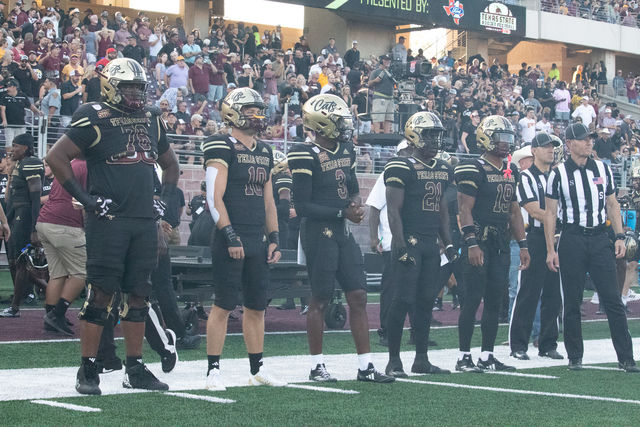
column 134, row 52
column 70, row 105
column 174, row 202
column 228, row 69
column 15, row 106
column 424, row 185
column 604, row 148
column 23, row 76
column 472, row 144
column 361, row 101
column 493, row 189
column 333, row 173
column 243, row 81
column 198, row 206
column 121, row 149
column 35, row 84
column 92, row 89
column 248, row 172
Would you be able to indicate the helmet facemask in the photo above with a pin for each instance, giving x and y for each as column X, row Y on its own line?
column 133, row 95
column 498, row 140
column 256, row 122
column 431, row 139
column 344, row 127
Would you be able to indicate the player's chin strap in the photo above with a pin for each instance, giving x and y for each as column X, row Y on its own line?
column 508, row 172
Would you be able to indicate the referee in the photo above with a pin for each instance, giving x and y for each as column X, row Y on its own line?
column 537, row 278
column 585, row 191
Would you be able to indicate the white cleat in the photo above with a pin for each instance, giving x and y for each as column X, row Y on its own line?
column 264, row 378
column 214, row 381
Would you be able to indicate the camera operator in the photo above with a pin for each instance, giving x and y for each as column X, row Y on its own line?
column 382, row 109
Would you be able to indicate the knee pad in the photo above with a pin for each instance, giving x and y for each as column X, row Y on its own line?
column 96, row 307
column 134, row 308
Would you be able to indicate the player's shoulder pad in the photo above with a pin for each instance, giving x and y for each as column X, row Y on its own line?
column 87, row 114
column 264, row 148
column 31, row 164
column 216, row 141
column 154, row 110
column 471, row 166
column 399, row 163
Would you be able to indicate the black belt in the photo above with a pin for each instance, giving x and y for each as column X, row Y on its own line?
column 535, row 230
column 586, row 231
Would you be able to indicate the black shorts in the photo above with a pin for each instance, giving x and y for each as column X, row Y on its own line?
column 332, row 254
column 121, row 253
column 249, row 275
column 20, row 232
column 416, row 284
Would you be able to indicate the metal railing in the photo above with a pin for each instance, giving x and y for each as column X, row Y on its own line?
column 604, row 13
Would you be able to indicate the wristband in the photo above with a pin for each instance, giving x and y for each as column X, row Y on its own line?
column 523, row 244
column 231, row 236
column 274, row 237
column 469, row 229
column 471, row 242
column 448, row 246
column 620, row 236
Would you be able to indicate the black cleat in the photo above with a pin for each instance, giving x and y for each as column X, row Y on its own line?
column 520, row 355
column 394, row 368
column 188, row 342
column 551, row 354
column 58, row 324
column 575, row 365
column 437, row 304
column 108, row 365
column 371, row 375
column 304, row 311
column 493, row 364
column 87, row 379
column 139, row 376
column 466, row 365
column 10, row 312
column 321, row 374
column 202, row 315
column 629, row 366
column 421, row 365
column 288, row 305
column 170, row 359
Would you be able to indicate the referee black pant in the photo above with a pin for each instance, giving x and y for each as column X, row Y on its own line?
column 534, row 280
column 487, row 281
column 594, row 254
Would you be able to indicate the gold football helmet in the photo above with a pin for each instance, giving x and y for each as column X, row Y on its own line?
column 558, row 151
column 631, row 246
column 233, row 104
column 444, row 156
column 328, row 116
column 493, row 130
column 123, row 83
column 279, row 162
column 422, row 128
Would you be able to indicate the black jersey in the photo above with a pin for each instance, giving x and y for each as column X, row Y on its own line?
column 424, row 186
column 333, row 177
column 248, row 172
column 121, row 150
column 494, row 190
column 24, row 170
column 281, row 182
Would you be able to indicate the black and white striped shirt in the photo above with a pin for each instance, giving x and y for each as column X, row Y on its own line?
column 581, row 191
column 532, row 187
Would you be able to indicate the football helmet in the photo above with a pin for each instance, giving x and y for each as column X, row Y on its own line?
column 328, row 116
column 558, row 151
column 279, row 162
column 123, row 83
column 444, row 156
column 631, row 246
column 493, row 130
column 424, row 128
column 233, row 115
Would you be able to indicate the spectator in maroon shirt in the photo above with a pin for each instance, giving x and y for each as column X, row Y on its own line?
column 51, row 63
column 199, row 77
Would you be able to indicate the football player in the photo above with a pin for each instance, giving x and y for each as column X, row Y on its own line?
column 489, row 216
column 418, row 214
column 240, row 199
column 23, row 207
column 325, row 193
column 121, row 140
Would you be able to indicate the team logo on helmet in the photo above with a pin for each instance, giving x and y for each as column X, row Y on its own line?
column 235, row 102
column 424, row 128
column 328, row 116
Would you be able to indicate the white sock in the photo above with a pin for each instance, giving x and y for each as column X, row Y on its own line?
column 463, row 354
column 364, row 360
column 484, row 356
column 316, row 359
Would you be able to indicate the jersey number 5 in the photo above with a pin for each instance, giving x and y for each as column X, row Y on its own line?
column 257, row 178
column 431, row 200
column 503, row 198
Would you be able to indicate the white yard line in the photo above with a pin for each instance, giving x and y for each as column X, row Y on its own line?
column 602, row 368
column 521, row 374
column 200, row 397
column 48, row 383
column 324, row 389
column 517, row 391
column 68, row 406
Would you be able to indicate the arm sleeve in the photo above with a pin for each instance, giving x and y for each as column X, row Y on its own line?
column 525, row 190
column 396, row 173
column 553, row 183
column 468, row 178
column 301, row 165
column 216, row 151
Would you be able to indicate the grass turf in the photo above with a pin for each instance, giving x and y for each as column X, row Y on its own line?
column 394, row 404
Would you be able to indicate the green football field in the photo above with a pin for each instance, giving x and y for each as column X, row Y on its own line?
column 542, row 395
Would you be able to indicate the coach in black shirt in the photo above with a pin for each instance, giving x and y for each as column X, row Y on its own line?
column 12, row 106
column 133, row 51
column 71, row 91
column 584, row 190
